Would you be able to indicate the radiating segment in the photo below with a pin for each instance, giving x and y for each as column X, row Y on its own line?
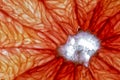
column 29, row 13
column 63, row 13
column 16, row 61
column 104, row 17
column 111, row 57
column 108, row 28
column 84, row 12
column 49, row 23
column 93, row 13
column 113, row 43
column 40, row 15
column 82, row 73
column 13, row 34
column 45, row 72
column 25, row 11
column 100, row 70
column 66, row 72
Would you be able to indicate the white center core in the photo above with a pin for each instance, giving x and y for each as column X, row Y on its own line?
column 79, row 48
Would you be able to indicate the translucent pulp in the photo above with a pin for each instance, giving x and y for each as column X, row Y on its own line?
column 79, row 48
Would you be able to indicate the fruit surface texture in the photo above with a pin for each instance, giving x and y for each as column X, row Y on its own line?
column 59, row 39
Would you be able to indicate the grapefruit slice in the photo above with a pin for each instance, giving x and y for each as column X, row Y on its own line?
column 31, row 31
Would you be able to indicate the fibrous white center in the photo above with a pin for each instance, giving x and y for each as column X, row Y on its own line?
column 79, row 48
